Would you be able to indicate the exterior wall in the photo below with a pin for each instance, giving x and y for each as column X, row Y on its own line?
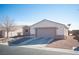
column 65, row 32
column 15, row 33
column 2, row 33
column 60, row 30
column 18, row 30
column 26, row 31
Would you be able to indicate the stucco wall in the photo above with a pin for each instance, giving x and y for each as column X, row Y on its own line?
column 60, row 30
column 65, row 32
column 15, row 33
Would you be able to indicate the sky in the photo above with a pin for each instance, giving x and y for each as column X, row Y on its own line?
column 28, row 14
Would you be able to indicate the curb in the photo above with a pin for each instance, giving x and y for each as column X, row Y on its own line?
column 51, row 49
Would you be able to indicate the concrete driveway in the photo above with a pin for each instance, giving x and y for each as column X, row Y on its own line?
column 34, row 41
column 38, row 41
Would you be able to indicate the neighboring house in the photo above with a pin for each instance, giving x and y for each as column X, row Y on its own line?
column 47, row 28
column 16, row 31
column 26, row 30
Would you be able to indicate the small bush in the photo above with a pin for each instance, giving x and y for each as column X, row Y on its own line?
column 76, row 34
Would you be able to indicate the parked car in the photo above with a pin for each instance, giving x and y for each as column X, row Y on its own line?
column 76, row 49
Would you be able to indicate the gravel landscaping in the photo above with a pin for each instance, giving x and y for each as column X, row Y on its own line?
column 68, row 43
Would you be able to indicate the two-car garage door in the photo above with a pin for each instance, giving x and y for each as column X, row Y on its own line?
column 46, row 32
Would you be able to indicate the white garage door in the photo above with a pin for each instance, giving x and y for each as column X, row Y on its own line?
column 46, row 32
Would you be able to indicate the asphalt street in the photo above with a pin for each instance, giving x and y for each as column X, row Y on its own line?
column 15, row 50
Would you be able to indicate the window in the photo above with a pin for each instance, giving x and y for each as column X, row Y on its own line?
column 26, row 30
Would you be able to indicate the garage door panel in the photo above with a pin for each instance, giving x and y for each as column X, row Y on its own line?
column 46, row 32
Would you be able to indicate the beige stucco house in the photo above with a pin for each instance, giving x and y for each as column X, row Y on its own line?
column 16, row 31
column 47, row 28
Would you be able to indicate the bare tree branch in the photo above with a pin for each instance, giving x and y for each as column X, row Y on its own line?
column 8, row 25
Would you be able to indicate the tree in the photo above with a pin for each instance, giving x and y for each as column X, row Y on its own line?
column 8, row 25
column 69, row 25
column 68, row 28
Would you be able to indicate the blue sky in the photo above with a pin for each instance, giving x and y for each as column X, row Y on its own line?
column 28, row 14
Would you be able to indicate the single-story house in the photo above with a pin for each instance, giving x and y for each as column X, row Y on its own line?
column 47, row 28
